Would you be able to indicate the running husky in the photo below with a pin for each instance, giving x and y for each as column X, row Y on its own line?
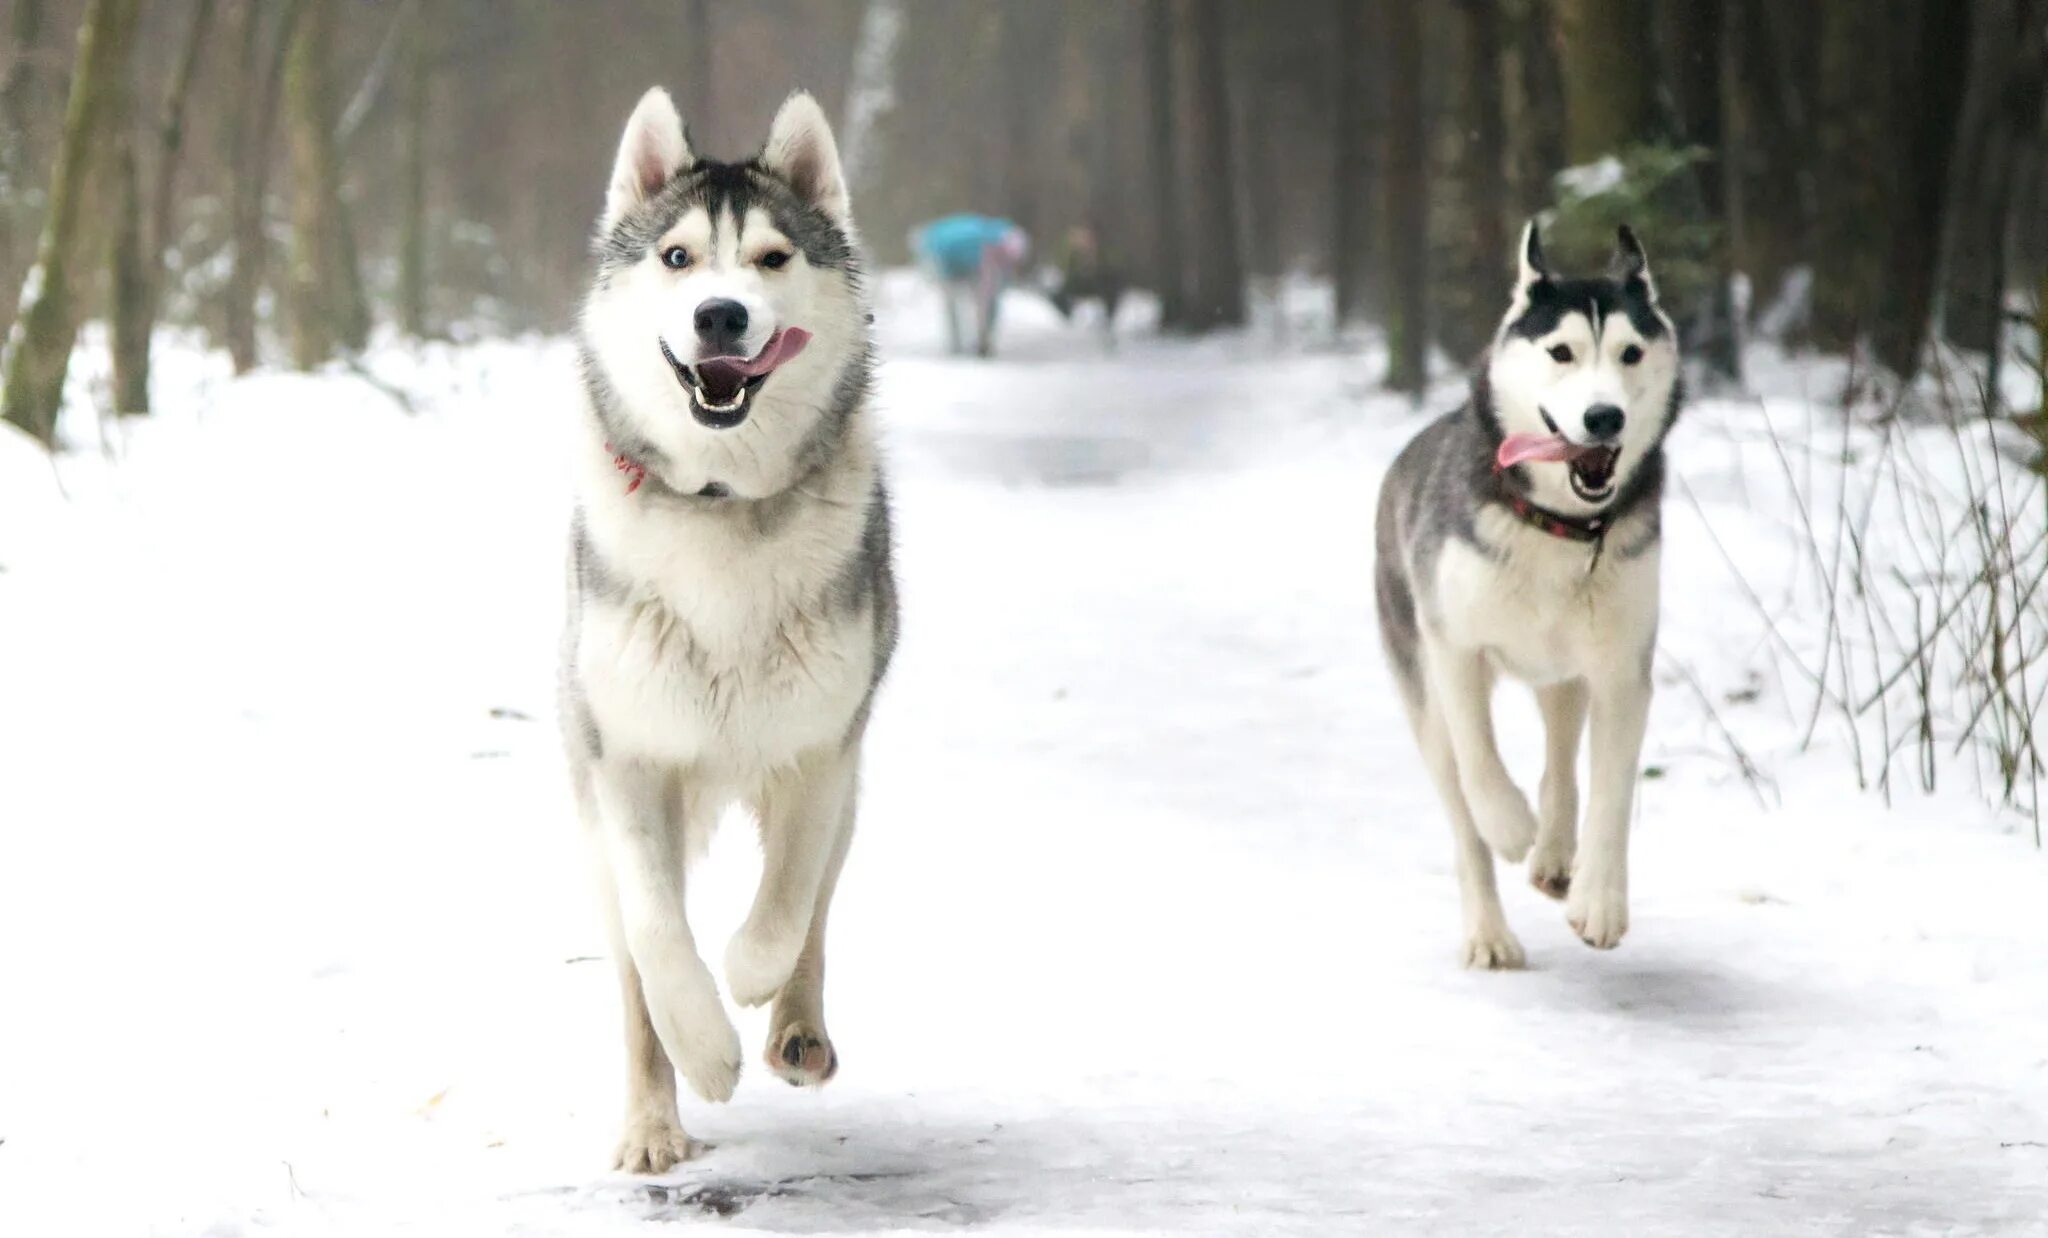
column 1519, row 534
column 731, row 605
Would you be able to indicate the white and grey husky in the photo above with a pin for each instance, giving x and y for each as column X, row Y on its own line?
column 1519, row 535
column 731, row 605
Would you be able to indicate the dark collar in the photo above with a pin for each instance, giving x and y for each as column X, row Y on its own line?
column 1588, row 529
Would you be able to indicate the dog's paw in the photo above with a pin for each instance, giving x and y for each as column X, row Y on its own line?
column 655, row 1146
column 1504, row 820
column 801, row 1055
column 701, row 1043
column 713, row 1070
column 1493, row 949
column 1550, row 872
column 1597, row 913
column 759, row 962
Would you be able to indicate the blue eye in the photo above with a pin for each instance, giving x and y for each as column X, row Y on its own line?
column 675, row 257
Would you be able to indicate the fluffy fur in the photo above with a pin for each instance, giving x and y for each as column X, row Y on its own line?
column 732, row 615
column 1468, row 589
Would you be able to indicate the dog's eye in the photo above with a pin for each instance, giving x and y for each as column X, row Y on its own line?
column 1561, row 352
column 1631, row 355
column 775, row 259
column 675, row 257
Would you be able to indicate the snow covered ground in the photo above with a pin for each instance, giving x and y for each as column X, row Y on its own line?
column 1151, row 926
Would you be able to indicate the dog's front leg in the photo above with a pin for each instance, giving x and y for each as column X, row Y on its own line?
column 1464, row 685
column 802, row 811
column 1597, row 908
column 641, row 816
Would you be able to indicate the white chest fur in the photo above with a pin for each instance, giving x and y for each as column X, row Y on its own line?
column 1537, row 610
column 724, row 644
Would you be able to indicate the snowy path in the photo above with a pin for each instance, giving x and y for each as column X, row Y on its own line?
column 1150, row 928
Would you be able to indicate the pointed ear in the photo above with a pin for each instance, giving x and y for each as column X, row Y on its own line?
column 1629, row 261
column 1530, row 266
column 653, row 150
column 801, row 151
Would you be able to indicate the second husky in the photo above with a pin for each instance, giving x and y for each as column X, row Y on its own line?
column 1519, row 535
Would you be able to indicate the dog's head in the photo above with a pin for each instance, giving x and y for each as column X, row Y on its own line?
column 1583, row 376
column 727, row 314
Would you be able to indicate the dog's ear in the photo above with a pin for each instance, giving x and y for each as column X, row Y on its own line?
column 1630, row 262
column 1530, row 266
column 801, row 151
column 653, row 150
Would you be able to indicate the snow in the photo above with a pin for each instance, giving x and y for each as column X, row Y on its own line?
column 1151, row 925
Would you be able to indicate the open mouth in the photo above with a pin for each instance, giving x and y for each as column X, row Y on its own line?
column 722, row 388
column 1592, row 472
column 1590, row 467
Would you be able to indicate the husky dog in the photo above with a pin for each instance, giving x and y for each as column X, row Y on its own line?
column 731, row 605
column 1519, row 535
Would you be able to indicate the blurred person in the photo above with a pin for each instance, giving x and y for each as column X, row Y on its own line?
column 973, row 258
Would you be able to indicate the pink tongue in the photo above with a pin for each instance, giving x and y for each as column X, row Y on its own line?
column 1516, row 448
column 781, row 346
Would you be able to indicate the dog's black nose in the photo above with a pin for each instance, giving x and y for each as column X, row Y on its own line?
column 720, row 324
column 1603, row 421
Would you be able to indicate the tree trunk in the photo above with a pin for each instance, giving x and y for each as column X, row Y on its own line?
column 142, row 229
column 18, row 90
column 1609, row 67
column 252, row 133
column 1349, row 129
column 39, row 347
column 1481, row 251
column 1930, row 68
column 870, row 87
column 1405, row 208
column 412, row 161
column 323, row 285
column 128, row 309
column 1852, row 149
column 2001, row 113
column 1216, row 292
column 1168, row 249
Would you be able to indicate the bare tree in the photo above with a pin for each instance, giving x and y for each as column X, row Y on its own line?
column 1168, row 252
column 258, row 77
column 18, row 89
column 2008, row 71
column 1609, row 65
column 1853, row 151
column 38, row 351
column 142, row 226
column 1216, row 291
column 1931, row 65
column 1405, row 210
column 1349, row 130
column 324, row 288
column 418, row 72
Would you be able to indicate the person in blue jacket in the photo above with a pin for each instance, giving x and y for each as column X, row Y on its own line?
column 973, row 257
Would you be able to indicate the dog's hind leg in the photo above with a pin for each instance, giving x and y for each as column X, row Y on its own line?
column 802, row 810
column 1563, row 706
column 642, row 825
column 1461, row 693
column 800, row 1050
column 1597, row 909
column 1488, row 941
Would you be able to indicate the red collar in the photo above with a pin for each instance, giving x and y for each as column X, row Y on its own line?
column 629, row 466
column 1589, row 530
